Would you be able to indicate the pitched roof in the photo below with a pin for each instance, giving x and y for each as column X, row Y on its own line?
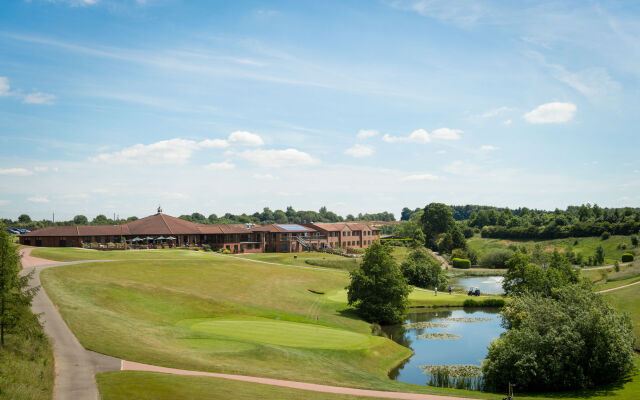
column 340, row 226
column 284, row 228
column 162, row 224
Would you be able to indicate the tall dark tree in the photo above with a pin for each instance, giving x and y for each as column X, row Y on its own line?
column 15, row 294
column 378, row 290
column 436, row 219
column 24, row 219
column 80, row 220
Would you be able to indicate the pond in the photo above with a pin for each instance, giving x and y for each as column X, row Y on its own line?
column 467, row 333
column 486, row 284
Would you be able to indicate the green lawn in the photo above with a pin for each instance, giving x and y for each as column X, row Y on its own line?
column 608, row 278
column 628, row 300
column 586, row 245
column 227, row 314
column 128, row 385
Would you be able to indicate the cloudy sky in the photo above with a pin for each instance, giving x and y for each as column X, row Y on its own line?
column 116, row 106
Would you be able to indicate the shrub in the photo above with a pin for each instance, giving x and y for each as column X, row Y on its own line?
column 605, row 235
column 461, row 263
column 423, row 271
column 496, row 258
column 627, row 257
column 207, row 247
column 468, row 253
column 634, row 240
column 484, row 303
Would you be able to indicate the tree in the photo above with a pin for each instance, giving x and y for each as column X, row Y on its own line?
column 15, row 294
column 436, row 219
column 410, row 230
column 523, row 276
column 405, row 214
column 80, row 220
column 199, row 218
column 598, row 258
column 24, row 219
column 572, row 339
column 100, row 220
column 423, row 271
column 378, row 290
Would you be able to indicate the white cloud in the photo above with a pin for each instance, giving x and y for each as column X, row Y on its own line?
column 367, row 133
column 220, row 166
column 244, row 138
column 38, row 98
column 265, row 177
column 214, row 143
column 446, row 134
column 360, row 150
column 4, row 86
column 488, row 147
column 507, row 122
column 417, row 136
column 495, row 112
column 38, row 199
column 15, row 172
column 4, row 202
column 41, row 169
column 551, row 113
column 278, row 158
column 174, row 195
column 421, row 136
column 173, row 151
column 419, row 177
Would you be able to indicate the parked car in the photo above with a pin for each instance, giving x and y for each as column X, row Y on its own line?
column 13, row 231
column 23, row 230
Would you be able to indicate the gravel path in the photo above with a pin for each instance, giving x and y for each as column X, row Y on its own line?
column 619, row 287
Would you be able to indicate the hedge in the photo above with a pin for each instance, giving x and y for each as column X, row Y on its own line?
column 627, row 257
column 461, row 263
column 483, row 303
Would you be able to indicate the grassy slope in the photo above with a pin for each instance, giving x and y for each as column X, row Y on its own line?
column 26, row 363
column 628, row 300
column 154, row 386
column 103, row 303
column 586, row 245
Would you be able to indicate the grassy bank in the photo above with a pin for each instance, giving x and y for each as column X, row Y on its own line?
column 585, row 245
column 26, row 363
column 128, row 385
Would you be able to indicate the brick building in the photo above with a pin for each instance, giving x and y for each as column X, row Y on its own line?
column 162, row 228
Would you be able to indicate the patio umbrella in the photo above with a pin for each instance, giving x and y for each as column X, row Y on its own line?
column 170, row 238
column 148, row 238
column 136, row 239
column 161, row 238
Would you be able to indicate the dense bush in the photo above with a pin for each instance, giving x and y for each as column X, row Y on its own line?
column 605, row 235
column 571, row 340
column 468, row 253
column 484, row 303
column 461, row 263
column 634, row 240
column 579, row 229
column 496, row 258
column 627, row 257
column 423, row 271
column 523, row 276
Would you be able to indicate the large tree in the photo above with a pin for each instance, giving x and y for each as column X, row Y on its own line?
column 423, row 271
column 80, row 220
column 15, row 294
column 572, row 339
column 436, row 219
column 524, row 276
column 378, row 290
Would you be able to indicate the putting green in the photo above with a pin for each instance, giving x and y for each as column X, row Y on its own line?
column 284, row 333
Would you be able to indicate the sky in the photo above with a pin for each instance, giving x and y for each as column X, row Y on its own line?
column 118, row 106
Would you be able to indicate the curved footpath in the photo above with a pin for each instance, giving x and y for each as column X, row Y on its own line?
column 76, row 367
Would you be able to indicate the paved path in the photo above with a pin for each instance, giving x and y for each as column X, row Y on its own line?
column 134, row 366
column 603, row 267
column 619, row 287
column 76, row 367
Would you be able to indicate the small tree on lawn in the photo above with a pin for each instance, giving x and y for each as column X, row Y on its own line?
column 15, row 294
column 378, row 290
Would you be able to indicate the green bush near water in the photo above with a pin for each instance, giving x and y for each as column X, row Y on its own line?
column 461, row 263
column 499, row 303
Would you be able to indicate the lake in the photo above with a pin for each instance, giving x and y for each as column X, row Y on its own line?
column 486, row 284
column 475, row 328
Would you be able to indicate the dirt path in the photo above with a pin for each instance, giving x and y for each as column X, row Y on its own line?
column 603, row 267
column 76, row 367
column 619, row 287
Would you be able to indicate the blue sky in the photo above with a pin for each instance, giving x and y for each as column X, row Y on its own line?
column 116, row 106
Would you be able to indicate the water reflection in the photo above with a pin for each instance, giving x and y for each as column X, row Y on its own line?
column 486, row 284
column 470, row 348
